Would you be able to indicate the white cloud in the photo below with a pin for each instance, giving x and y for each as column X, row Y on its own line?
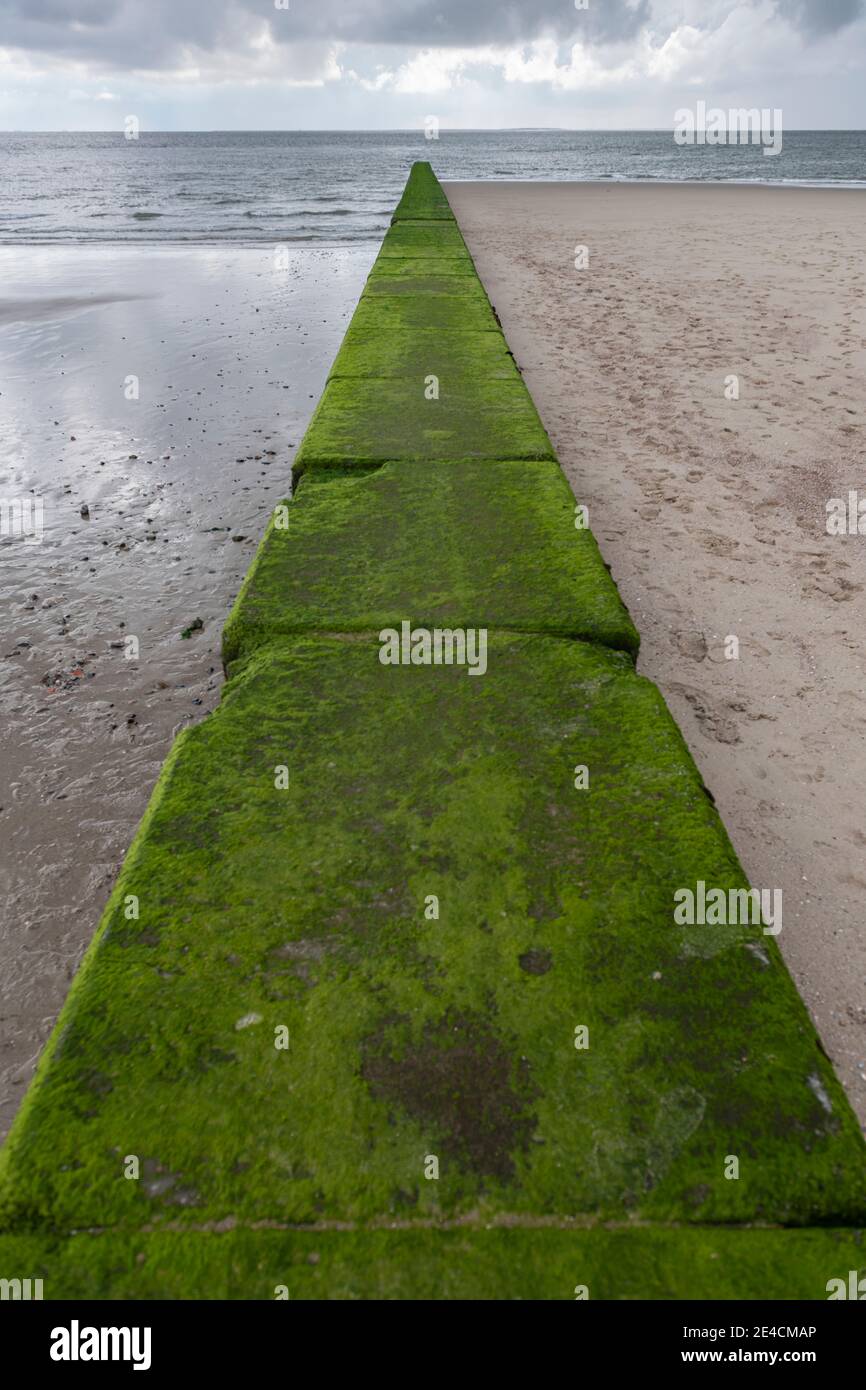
column 443, row 69
column 680, row 51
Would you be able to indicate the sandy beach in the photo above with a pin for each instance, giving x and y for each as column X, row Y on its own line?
column 229, row 356
column 711, row 511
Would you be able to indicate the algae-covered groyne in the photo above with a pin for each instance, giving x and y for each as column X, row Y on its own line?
column 391, row 998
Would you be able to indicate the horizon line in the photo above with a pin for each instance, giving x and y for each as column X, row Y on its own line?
column 408, row 130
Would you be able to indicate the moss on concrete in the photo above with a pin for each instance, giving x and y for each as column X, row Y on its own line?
column 440, row 313
column 466, row 290
column 308, row 909
column 462, row 544
column 463, row 1263
column 369, row 352
column 421, row 239
column 400, row 267
column 423, row 212
column 393, row 419
column 423, row 197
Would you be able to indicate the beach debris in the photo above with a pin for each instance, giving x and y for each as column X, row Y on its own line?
column 55, row 681
column 195, row 626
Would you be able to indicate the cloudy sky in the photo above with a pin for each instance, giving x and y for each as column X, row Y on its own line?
column 380, row 64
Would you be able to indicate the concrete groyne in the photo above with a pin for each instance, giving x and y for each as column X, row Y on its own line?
column 391, row 998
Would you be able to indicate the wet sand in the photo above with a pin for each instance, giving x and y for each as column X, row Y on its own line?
column 712, row 512
column 231, row 355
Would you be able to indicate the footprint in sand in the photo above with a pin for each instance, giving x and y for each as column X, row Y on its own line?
column 719, row 545
column 714, row 720
column 830, row 586
column 692, row 645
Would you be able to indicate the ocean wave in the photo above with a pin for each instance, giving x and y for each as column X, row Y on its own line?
column 327, row 188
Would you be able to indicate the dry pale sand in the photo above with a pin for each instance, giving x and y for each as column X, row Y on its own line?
column 712, row 512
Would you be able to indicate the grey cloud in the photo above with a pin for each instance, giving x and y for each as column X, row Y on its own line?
column 821, row 16
column 123, row 34
column 466, row 22
column 150, row 33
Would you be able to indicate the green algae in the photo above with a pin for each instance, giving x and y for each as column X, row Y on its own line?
column 442, row 313
column 399, row 267
column 304, row 909
column 406, row 239
column 423, row 197
column 462, row 1263
column 423, row 212
column 396, row 418
column 465, row 290
column 368, row 352
column 463, row 544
